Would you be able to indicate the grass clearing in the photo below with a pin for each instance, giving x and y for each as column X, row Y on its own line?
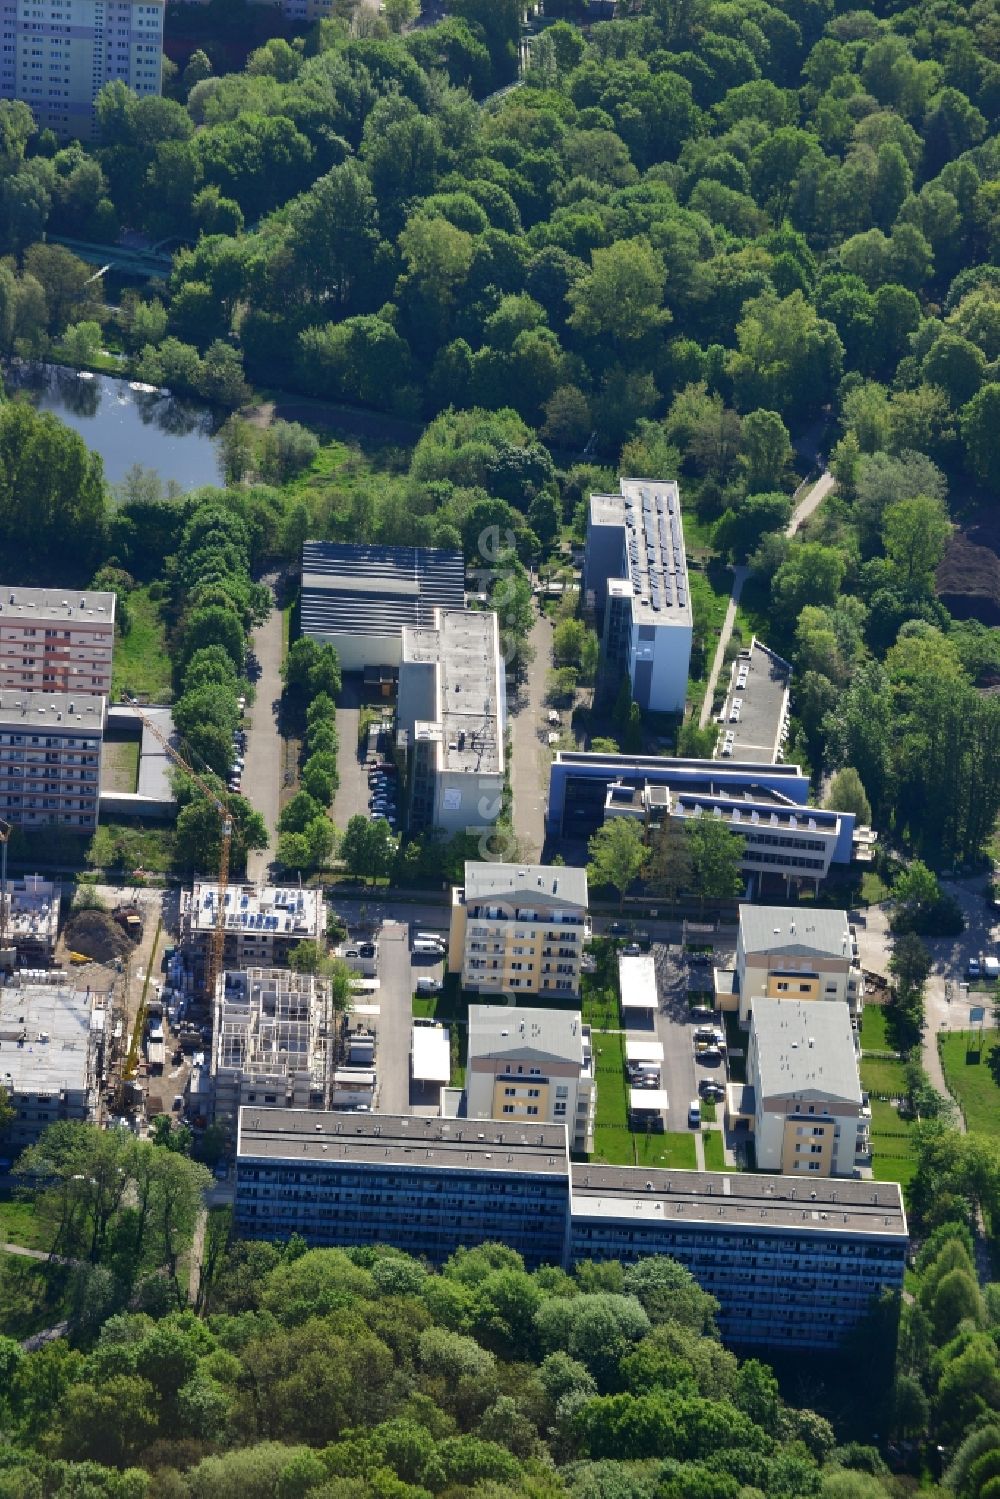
column 880, row 1075
column 971, row 1069
column 141, row 658
column 19, row 1224
column 337, row 487
column 715, row 1150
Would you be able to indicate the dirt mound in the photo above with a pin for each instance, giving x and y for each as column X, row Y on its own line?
column 968, row 579
column 97, row 935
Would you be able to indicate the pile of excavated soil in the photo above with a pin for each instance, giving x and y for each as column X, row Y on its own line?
column 96, row 935
column 968, row 579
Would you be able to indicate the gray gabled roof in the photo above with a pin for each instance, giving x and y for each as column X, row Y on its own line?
column 794, row 930
column 525, row 1035
column 559, row 884
column 805, row 1048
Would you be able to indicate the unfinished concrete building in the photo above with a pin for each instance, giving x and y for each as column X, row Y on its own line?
column 51, row 1045
column 263, row 923
column 29, row 919
column 273, row 1042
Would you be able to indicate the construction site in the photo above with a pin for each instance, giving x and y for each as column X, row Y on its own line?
column 29, row 919
column 274, row 1041
column 52, row 1053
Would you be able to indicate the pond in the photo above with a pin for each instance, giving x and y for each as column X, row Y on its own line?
column 127, row 426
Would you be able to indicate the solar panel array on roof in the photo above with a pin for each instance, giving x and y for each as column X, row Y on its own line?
column 355, row 589
column 655, row 547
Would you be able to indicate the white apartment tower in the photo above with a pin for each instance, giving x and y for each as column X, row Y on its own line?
column 636, row 581
column 57, row 55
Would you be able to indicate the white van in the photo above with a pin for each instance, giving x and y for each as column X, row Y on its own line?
column 428, row 986
column 991, row 968
column 428, row 949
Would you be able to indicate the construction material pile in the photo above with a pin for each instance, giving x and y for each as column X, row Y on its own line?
column 97, row 936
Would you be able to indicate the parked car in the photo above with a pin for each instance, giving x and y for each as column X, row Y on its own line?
column 701, row 1012
column 631, row 949
column 619, row 929
column 710, row 1057
column 709, row 1088
column 972, row 971
column 694, row 1114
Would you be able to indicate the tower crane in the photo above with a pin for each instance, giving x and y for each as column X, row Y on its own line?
column 217, row 800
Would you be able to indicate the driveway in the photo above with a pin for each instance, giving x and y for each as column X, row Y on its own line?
column 530, row 758
column 262, row 772
column 395, row 999
column 351, row 796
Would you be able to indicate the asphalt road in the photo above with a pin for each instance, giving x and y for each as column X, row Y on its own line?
column 262, row 772
column 351, row 796
column 395, row 998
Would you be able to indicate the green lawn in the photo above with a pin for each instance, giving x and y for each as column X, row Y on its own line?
column 873, row 889
column 612, row 1140
column 19, row 1225
column 674, row 1150
column 141, row 659
column 600, row 1008
column 892, row 1144
column 715, row 1153
column 972, row 1077
column 880, row 1075
column 874, row 1036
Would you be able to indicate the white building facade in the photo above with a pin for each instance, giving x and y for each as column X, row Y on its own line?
column 635, row 579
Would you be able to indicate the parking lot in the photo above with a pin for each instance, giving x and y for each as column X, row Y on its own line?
column 674, row 1024
column 353, row 796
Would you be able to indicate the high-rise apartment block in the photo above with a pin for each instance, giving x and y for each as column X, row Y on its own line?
column 57, row 55
column 519, row 929
column 429, row 1186
column 55, row 640
column 635, row 579
column 793, row 1263
column 50, row 758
